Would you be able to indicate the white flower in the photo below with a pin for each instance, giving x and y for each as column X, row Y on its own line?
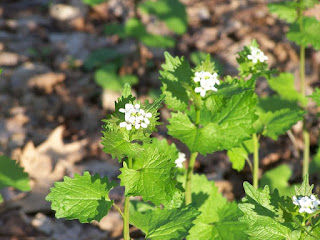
column 207, row 82
column 180, row 160
column 306, row 204
column 134, row 116
column 257, row 54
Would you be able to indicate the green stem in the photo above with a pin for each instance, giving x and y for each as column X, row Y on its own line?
column 189, row 177
column 255, row 160
column 126, row 233
column 118, row 209
column 188, row 196
column 306, row 152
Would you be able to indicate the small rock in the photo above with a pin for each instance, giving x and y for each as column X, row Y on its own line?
column 8, row 59
column 42, row 223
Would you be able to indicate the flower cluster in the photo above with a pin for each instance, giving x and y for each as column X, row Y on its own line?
column 134, row 116
column 306, row 204
column 257, row 54
column 180, row 160
column 207, row 82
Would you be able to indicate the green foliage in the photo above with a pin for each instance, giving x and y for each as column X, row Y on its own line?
column 118, row 141
column 238, row 155
column 100, row 57
column 276, row 116
column 261, row 216
column 277, row 178
column 229, row 124
column 315, row 163
column 197, row 57
column 161, row 224
column 108, row 78
column 84, row 198
column 305, row 189
column 218, row 218
column 316, row 96
column 284, row 86
column 308, row 35
column 176, row 77
column 152, row 174
column 12, row 175
column 172, row 12
column 93, row 2
column 284, row 10
column 135, row 29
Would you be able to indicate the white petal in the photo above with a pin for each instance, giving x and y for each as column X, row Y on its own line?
column 128, row 106
column 148, row 115
column 203, row 93
column 137, row 126
column 196, row 79
column 137, row 106
column 197, row 89
column 146, row 120
column 123, row 124
column 122, row 110
column 144, row 125
column 129, row 127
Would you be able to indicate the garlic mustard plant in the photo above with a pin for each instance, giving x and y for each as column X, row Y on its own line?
column 134, row 116
column 257, row 55
column 207, row 82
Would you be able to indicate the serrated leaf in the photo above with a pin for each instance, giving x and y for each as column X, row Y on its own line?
column 316, row 96
column 197, row 57
column 305, row 189
column 276, row 116
column 238, row 155
column 232, row 117
column 218, row 218
column 107, row 78
column 162, row 224
column 261, row 216
column 284, row 10
column 152, row 174
column 12, row 175
column 175, row 77
column 278, row 178
column 84, row 197
column 284, row 86
column 309, row 34
column 172, row 12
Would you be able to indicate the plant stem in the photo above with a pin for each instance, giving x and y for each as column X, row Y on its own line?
column 126, row 234
column 118, row 209
column 189, row 177
column 255, row 160
column 306, row 136
column 188, row 193
column 306, row 152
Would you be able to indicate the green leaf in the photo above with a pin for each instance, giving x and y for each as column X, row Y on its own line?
column 107, row 78
column 229, row 124
column 197, row 57
column 172, row 12
column 284, row 10
column 284, row 86
column 100, row 57
column 315, row 163
column 276, row 116
column 152, row 174
column 261, row 216
column 162, row 224
column 218, row 218
column 305, row 189
column 12, row 175
column 115, row 29
column 277, row 178
column 238, row 155
column 309, row 34
column 316, row 96
column 175, row 77
column 84, row 198
column 93, row 2
column 1, row 198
